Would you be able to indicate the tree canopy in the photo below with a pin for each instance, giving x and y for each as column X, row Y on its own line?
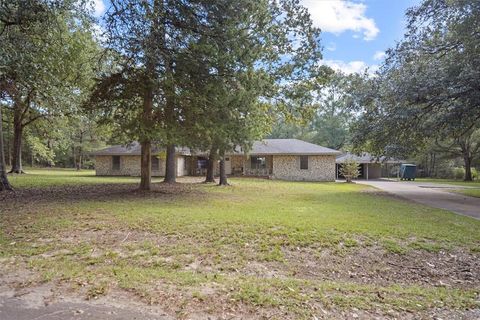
column 428, row 85
column 199, row 74
column 47, row 60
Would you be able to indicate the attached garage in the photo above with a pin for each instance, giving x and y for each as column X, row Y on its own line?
column 370, row 167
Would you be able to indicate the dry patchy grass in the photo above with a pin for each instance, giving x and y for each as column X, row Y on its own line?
column 257, row 249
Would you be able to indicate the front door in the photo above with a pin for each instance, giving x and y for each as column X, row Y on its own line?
column 228, row 165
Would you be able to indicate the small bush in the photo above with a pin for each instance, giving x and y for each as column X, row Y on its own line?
column 474, row 174
column 350, row 170
column 444, row 169
column 458, row 173
column 445, row 173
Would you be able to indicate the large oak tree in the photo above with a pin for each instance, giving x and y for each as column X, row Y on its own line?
column 429, row 85
column 46, row 61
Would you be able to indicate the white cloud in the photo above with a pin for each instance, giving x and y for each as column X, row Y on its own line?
column 338, row 16
column 332, row 46
column 98, row 7
column 356, row 66
column 379, row 55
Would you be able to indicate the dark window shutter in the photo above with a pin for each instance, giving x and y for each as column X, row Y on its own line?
column 304, row 162
column 155, row 163
column 116, row 162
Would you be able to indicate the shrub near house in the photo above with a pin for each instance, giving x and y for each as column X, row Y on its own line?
column 350, row 170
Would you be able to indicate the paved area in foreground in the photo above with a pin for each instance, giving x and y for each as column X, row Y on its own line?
column 430, row 194
column 30, row 305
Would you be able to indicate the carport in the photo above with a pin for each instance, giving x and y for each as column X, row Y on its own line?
column 370, row 167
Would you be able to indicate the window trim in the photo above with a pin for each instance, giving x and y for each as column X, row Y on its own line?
column 304, row 162
column 202, row 163
column 256, row 165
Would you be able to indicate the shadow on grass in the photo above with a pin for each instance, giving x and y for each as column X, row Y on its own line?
column 97, row 192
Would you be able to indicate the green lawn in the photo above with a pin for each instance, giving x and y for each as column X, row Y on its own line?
column 472, row 191
column 256, row 247
column 40, row 178
column 475, row 183
column 468, row 192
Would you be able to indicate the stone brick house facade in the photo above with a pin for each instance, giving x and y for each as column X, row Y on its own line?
column 286, row 159
column 125, row 161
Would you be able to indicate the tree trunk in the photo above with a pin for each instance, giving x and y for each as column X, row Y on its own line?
column 223, row 174
column 146, row 166
column 434, row 169
column 212, row 158
column 80, row 153
column 146, row 143
column 147, row 112
column 17, row 147
column 170, row 165
column 80, row 160
column 74, row 154
column 8, row 146
column 4, row 184
column 468, row 168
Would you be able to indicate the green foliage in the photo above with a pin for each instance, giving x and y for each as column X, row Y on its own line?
column 426, row 88
column 39, row 151
column 333, row 113
column 47, row 61
column 458, row 173
column 474, row 174
column 60, row 61
column 222, row 87
column 350, row 169
column 469, row 192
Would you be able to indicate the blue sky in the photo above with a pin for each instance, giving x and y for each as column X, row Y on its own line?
column 355, row 33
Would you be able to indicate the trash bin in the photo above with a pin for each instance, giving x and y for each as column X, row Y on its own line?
column 408, row 171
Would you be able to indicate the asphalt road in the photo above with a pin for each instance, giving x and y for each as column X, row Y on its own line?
column 430, row 194
column 25, row 308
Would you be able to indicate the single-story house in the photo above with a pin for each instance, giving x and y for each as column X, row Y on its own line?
column 286, row 159
column 370, row 167
column 125, row 161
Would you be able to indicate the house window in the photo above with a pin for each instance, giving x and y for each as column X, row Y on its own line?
column 304, row 162
column 202, row 163
column 258, row 162
column 116, row 163
column 155, row 163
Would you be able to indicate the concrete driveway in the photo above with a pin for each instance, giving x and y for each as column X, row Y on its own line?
column 430, row 194
column 35, row 304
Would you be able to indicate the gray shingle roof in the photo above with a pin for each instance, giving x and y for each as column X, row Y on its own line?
column 133, row 149
column 289, row 147
column 263, row 147
column 365, row 158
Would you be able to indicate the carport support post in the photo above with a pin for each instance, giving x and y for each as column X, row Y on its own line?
column 367, row 171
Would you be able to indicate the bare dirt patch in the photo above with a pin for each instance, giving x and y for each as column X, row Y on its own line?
column 374, row 265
